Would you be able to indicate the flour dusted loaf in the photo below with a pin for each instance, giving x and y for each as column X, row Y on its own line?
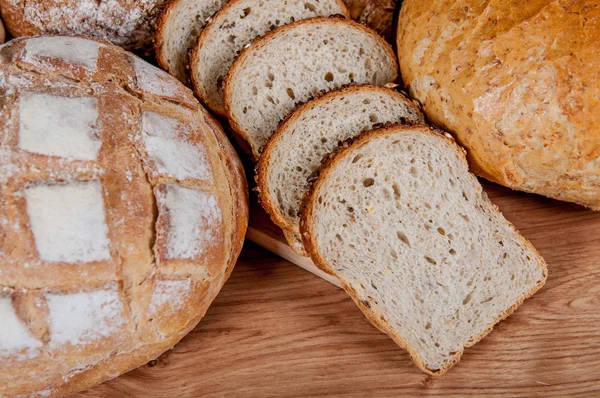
column 413, row 239
column 517, row 83
column 309, row 134
column 236, row 25
column 177, row 30
column 127, row 23
column 296, row 62
column 122, row 211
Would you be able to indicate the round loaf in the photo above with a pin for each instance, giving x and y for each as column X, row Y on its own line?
column 123, row 209
column 518, row 86
column 127, row 23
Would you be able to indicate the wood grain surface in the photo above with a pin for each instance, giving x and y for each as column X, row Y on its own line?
column 277, row 330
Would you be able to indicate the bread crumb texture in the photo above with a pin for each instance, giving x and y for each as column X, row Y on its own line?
column 517, row 83
column 117, row 213
column 414, row 240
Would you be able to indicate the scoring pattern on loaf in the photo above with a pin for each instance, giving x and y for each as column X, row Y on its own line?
column 117, row 213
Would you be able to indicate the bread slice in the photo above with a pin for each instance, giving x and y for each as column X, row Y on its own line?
column 237, row 24
column 416, row 243
column 177, row 29
column 311, row 132
column 296, row 62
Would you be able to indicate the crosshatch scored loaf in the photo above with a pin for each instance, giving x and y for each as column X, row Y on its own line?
column 413, row 239
column 122, row 212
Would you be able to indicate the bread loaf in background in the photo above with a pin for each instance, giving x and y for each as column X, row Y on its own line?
column 518, row 85
column 126, row 23
column 123, row 209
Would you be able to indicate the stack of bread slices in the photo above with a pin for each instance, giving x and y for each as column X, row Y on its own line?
column 355, row 179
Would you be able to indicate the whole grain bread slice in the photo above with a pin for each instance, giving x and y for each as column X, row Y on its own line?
column 311, row 132
column 296, row 62
column 236, row 25
column 399, row 220
column 177, row 29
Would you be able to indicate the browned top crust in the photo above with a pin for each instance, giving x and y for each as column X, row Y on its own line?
column 127, row 23
column 123, row 209
column 517, row 83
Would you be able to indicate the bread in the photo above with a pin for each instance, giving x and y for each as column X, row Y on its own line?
column 127, row 23
column 376, row 14
column 236, row 25
column 123, row 209
column 516, row 83
column 2, row 33
column 295, row 62
column 413, row 239
column 177, row 29
column 310, row 133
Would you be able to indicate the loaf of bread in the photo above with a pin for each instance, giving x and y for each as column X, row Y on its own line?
column 127, row 23
column 123, row 209
column 413, row 239
column 2, row 33
column 517, row 84
column 296, row 62
column 309, row 134
column 376, row 14
column 177, row 30
column 236, row 25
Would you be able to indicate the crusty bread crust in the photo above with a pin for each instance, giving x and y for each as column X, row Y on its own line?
column 265, row 161
column 122, row 99
column 264, row 40
column 514, row 89
column 53, row 17
column 376, row 318
column 160, row 35
column 214, row 22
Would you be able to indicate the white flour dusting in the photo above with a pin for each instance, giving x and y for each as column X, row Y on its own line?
column 171, row 155
column 173, row 292
column 154, row 80
column 76, row 50
column 59, row 126
column 14, row 336
column 81, row 318
column 68, row 222
column 194, row 218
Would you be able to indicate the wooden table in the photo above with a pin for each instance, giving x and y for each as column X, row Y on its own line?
column 276, row 329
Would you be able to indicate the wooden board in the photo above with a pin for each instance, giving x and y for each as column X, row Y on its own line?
column 276, row 330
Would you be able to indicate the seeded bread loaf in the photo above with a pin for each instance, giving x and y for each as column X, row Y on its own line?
column 177, row 30
column 122, row 212
column 376, row 14
column 309, row 134
column 127, row 23
column 517, row 83
column 412, row 238
column 296, row 62
column 236, row 25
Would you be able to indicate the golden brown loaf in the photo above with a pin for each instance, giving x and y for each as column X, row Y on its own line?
column 127, row 23
column 123, row 209
column 517, row 83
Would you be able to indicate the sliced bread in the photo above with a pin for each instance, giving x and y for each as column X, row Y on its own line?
column 399, row 220
column 311, row 132
column 296, row 62
column 237, row 24
column 177, row 29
